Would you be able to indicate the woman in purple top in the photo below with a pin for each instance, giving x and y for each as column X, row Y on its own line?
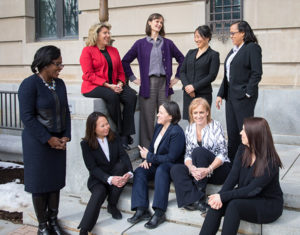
column 154, row 54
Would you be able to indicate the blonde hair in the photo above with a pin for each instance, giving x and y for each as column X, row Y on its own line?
column 197, row 102
column 93, row 33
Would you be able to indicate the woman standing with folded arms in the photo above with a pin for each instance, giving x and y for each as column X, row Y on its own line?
column 154, row 54
column 258, row 196
column 44, row 110
column 199, row 69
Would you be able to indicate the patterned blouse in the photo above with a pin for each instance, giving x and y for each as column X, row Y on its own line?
column 213, row 139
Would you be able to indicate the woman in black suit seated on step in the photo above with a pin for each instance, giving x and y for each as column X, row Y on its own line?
column 166, row 148
column 109, row 167
column 258, row 196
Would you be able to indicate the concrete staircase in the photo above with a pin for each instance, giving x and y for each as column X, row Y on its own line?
column 180, row 221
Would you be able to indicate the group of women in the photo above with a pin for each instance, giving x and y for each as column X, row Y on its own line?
column 251, row 189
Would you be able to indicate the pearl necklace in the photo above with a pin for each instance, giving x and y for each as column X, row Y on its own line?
column 50, row 87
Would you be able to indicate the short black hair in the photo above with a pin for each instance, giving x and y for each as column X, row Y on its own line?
column 43, row 57
column 244, row 27
column 172, row 109
column 204, row 31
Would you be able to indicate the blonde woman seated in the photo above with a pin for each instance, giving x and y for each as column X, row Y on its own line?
column 205, row 161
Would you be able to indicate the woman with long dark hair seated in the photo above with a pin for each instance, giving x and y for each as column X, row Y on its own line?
column 258, row 196
column 166, row 149
column 109, row 167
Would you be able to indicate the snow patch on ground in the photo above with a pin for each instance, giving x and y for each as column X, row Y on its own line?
column 10, row 165
column 13, row 197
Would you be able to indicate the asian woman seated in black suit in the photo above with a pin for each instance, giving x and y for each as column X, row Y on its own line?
column 109, row 167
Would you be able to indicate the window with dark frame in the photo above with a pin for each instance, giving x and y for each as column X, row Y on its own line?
column 56, row 19
column 222, row 13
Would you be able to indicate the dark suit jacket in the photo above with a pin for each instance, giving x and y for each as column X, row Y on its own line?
column 171, row 147
column 201, row 72
column 245, row 72
column 98, row 165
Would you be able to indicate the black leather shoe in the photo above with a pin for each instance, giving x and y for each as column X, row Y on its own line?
column 198, row 205
column 43, row 229
column 139, row 215
column 113, row 210
column 155, row 221
column 130, row 140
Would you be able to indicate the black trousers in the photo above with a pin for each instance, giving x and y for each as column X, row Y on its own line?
column 125, row 121
column 186, row 189
column 254, row 210
column 99, row 192
column 236, row 111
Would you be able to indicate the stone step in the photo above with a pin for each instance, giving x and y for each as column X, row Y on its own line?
column 179, row 221
column 291, row 189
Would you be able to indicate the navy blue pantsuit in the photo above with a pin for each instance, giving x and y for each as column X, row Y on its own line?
column 170, row 151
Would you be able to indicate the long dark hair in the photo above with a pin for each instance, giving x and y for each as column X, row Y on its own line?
column 155, row 16
column 261, row 145
column 244, row 27
column 90, row 134
column 43, row 57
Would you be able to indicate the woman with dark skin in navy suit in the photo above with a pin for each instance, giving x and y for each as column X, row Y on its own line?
column 109, row 167
column 44, row 110
column 167, row 148
column 242, row 73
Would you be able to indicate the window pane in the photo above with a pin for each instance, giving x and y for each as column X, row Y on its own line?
column 70, row 18
column 227, row 16
column 47, row 15
column 236, row 15
column 218, row 17
column 236, row 2
column 227, row 2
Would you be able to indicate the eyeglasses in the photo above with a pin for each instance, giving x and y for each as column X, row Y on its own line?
column 58, row 64
column 233, row 33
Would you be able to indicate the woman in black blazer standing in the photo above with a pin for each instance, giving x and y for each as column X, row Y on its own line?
column 258, row 196
column 167, row 148
column 199, row 69
column 109, row 167
column 45, row 113
column 242, row 73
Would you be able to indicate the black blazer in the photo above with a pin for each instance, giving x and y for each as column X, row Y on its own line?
column 98, row 165
column 245, row 72
column 201, row 72
column 171, row 147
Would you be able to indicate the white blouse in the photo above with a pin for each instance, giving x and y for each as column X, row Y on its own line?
column 213, row 139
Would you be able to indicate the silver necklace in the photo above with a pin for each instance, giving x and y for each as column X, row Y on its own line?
column 50, row 86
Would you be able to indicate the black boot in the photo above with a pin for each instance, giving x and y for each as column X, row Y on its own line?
column 40, row 208
column 53, row 203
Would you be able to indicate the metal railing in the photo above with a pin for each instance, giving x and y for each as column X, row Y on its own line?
column 9, row 111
